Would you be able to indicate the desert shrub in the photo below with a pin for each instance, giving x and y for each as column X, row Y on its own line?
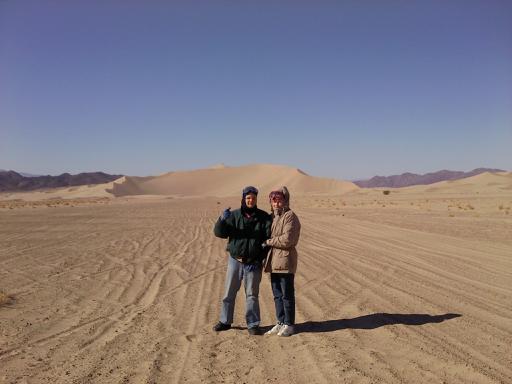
column 4, row 298
column 386, row 192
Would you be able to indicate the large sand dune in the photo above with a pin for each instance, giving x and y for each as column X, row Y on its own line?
column 228, row 181
column 410, row 287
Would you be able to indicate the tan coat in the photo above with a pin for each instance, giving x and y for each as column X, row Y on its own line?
column 282, row 257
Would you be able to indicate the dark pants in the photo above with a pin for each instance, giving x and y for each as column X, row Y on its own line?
column 284, row 297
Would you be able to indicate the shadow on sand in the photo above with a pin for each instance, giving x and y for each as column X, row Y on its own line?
column 372, row 321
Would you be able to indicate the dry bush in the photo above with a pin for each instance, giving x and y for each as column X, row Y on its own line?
column 465, row 207
column 5, row 298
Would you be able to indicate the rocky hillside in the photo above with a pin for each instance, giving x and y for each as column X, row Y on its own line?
column 13, row 181
column 408, row 179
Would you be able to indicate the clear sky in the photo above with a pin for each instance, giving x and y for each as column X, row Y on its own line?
column 344, row 89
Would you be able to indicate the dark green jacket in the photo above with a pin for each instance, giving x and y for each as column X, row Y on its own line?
column 245, row 235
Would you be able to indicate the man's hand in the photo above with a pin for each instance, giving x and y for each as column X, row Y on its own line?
column 225, row 214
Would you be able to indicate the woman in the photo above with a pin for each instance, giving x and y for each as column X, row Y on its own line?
column 281, row 262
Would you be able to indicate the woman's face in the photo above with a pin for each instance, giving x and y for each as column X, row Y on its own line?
column 250, row 200
column 277, row 203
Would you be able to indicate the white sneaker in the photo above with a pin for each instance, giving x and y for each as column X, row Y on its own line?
column 275, row 330
column 286, row 330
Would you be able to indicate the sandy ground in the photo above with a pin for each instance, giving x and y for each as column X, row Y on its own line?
column 403, row 288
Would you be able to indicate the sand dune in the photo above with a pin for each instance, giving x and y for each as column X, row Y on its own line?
column 483, row 183
column 228, row 181
column 78, row 192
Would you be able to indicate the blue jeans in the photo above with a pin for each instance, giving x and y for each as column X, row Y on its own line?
column 251, row 277
column 284, row 297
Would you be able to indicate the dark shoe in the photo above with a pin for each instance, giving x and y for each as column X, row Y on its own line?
column 221, row 327
column 255, row 331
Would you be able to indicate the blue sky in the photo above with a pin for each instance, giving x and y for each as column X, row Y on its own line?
column 344, row 89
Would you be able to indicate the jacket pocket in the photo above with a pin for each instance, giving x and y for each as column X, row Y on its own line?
column 281, row 260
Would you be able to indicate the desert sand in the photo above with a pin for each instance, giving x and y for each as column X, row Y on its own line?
column 409, row 285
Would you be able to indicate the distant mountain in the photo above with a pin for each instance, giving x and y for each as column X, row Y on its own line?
column 22, row 173
column 13, row 181
column 28, row 174
column 408, row 179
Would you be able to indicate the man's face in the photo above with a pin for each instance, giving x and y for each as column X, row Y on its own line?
column 250, row 200
column 277, row 203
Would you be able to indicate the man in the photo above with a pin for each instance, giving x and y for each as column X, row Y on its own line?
column 246, row 229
